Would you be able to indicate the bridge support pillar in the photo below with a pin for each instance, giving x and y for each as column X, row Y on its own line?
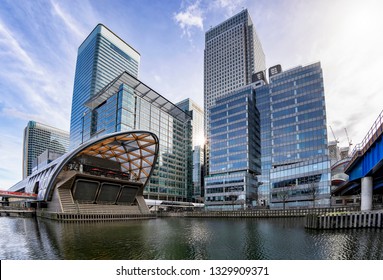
column 366, row 194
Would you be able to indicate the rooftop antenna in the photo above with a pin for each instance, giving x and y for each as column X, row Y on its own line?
column 348, row 139
column 333, row 134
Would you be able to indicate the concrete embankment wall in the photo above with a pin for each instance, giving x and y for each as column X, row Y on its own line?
column 84, row 217
column 371, row 219
column 25, row 213
column 263, row 213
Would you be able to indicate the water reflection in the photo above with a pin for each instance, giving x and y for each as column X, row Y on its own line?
column 174, row 238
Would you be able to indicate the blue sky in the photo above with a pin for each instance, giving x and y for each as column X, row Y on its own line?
column 39, row 41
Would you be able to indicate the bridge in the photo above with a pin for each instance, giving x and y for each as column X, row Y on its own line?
column 365, row 168
column 18, row 194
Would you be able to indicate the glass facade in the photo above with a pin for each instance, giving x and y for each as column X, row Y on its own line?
column 294, row 139
column 263, row 105
column 233, row 52
column 101, row 58
column 198, row 142
column 198, row 174
column 196, row 112
column 126, row 109
column 234, row 151
column 37, row 139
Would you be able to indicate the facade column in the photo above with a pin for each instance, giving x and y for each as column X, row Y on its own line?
column 366, row 194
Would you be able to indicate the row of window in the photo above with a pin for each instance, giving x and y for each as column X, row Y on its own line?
column 229, row 166
column 296, row 156
column 227, row 189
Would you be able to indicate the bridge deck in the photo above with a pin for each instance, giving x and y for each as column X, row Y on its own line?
column 367, row 151
column 17, row 194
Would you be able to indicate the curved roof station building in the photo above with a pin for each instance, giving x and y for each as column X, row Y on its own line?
column 102, row 179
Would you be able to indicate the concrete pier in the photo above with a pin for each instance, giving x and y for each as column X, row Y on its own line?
column 366, row 194
column 93, row 217
column 368, row 219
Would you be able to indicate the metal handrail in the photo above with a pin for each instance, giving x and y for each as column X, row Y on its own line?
column 368, row 140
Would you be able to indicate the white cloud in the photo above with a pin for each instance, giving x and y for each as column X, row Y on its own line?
column 34, row 88
column 37, row 69
column 10, row 146
column 11, row 47
column 191, row 17
column 68, row 20
column 231, row 6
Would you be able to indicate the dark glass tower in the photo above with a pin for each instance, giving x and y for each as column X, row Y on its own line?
column 101, row 58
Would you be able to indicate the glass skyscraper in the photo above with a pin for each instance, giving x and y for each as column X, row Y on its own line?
column 233, row 53
column 295, row 160
column 100, row 59
column 38, row 138
column 234, row 151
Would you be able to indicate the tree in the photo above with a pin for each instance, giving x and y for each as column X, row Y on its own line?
column 313, row 191
column 283, row 195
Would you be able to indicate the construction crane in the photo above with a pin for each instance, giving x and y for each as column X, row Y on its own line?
column 348, row 139
column 333, row 134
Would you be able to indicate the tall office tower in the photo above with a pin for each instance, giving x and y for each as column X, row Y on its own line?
column 100, row 59
column 235, row 158
column 38, row 138
column 198, row 142
column 233, row 52
column 298, row 157
column 128, row 104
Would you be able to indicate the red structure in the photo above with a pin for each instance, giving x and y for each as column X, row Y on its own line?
column 17, row 194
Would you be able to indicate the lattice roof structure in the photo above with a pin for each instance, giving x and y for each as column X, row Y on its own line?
column 135, row 151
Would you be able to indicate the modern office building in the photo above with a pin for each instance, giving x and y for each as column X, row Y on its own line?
column 127, row 104
column 294, row 138
column 101, row 58
column 108, row 98
column 234, row 152
column 233, row 53
column 198, row 142
column 38, row 138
